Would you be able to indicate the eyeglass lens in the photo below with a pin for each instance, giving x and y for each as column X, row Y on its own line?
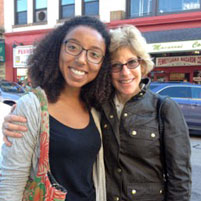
column 75, row 49
column 117, row 67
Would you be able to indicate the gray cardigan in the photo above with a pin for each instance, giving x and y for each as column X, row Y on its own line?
column 21, row 159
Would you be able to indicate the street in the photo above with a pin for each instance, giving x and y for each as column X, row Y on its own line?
column 196, row 168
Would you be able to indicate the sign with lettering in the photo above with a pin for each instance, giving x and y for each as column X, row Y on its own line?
column 21, row 54
column 179, row 46
column 178, row 61
column 2, row 51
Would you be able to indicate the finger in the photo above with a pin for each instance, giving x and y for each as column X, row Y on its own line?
column 6, row 141
column 14, row 127
column 14, row 118
column 13, row 108
column 9, row 133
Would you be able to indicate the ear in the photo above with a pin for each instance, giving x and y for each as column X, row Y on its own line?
column 143, row 71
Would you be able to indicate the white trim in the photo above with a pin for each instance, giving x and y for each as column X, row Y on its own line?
column 178, row 46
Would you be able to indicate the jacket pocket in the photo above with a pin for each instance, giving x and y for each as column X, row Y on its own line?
column 146, row 133
column 141, row 142
column 145, row 192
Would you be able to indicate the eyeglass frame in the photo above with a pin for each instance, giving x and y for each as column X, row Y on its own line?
column 81, row 50
column 122, row 65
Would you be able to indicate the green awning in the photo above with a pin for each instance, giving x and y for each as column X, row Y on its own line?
column 2, row 51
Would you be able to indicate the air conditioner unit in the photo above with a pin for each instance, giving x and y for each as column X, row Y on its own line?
column 41, row 16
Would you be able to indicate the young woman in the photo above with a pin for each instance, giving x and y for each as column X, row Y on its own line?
column 70, row 68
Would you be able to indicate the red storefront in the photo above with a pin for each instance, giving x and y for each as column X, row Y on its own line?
column 155, row 27
column 174, row 36
column 17, row 39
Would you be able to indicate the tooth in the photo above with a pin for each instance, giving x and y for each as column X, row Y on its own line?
column 126, row 81
column 78, row 72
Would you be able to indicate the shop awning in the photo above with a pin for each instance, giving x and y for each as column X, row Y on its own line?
column 173, row 35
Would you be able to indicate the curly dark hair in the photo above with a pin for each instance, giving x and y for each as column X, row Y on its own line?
column 44, row 64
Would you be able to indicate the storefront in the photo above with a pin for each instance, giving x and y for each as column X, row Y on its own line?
column 20, row 57
column 176, row 61
column 19, row 45
column 173, row 39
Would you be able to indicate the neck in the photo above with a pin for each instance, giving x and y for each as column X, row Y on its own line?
column 71, row 93
column 69, row 98
column 123, row 98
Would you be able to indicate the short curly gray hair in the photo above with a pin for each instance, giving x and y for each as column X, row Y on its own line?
column 130, row 36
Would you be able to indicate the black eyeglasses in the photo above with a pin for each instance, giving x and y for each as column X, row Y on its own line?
column 93, row 55
column 131, row 64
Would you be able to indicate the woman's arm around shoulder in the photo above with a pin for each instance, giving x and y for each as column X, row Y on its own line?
column 177, row 152
column 17, row 159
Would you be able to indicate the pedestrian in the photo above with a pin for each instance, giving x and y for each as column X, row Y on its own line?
column 61, row 156
column 142, row 161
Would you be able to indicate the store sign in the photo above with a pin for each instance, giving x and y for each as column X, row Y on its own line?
column 21, row 54
column 177, row 76
column 175, row 46
column 2, row 51
column 197, row 79
column 178, row 61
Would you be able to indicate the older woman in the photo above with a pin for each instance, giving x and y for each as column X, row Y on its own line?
column 139, row 164
column 142, row 163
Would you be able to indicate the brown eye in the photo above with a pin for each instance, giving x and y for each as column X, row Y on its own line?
column 116, row 65
column 72, row 47
column 133, row 62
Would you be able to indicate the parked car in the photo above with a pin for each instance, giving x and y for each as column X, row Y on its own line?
column 10, row 92
column 5, row 109
column 188, row 96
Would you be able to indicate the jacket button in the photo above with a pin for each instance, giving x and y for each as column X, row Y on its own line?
column 116, row 198
column 133, row 192
column 125, row 114
column 134, row 133
column 111, row 116
column 119, row 170
column 153, row 135
column 161, row 191
column 105, row 126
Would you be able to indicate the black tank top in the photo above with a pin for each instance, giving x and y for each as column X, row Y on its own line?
column 72, row 154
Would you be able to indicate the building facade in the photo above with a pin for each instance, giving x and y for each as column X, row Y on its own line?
column 171, row 28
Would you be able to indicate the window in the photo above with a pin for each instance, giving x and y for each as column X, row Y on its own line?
column 139, row 8
column 143, row 8
column 67, row 8
column 167, row 6
column 196, row 92
column 177, row 92
column 90, row 7
column 40, row 10
column 21, row 12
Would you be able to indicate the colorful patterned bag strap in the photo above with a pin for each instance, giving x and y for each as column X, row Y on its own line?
column 43, row 166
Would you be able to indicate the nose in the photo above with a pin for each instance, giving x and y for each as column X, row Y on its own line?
column 82, row 57
column 125, row 70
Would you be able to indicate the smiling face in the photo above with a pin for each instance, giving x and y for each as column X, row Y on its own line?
column 77, row 70
column 126, row 82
